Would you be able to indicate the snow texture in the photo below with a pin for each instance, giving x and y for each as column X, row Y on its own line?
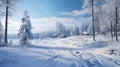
column 77, row 51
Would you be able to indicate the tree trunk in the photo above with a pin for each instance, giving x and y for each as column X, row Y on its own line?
column 93, row 20
column 114, row 29
column 6, row 23
column 116, row 25
column 111, row 30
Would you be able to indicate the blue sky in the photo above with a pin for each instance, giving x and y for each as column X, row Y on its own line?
column 45, row 13
column 48, row 8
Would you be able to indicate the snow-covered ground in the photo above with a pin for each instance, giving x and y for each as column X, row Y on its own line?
column 76, row 51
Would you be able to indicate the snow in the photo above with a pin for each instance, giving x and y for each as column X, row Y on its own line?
column 75, row 51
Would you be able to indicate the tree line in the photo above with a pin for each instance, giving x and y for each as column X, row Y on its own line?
column 105, row 16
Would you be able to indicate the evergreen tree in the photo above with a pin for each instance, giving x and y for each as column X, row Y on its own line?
column 25, row 30
column 77, row 30
column 1, row 33
column 60, row 30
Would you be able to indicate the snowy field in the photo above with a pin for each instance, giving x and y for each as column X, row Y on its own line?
column 76, row 51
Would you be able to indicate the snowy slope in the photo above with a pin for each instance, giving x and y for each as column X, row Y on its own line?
column 76, row 51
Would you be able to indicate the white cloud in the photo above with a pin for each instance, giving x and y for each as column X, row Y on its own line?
column 13, row 26
column 75, row 13
column 45, row 23
column 86, row 9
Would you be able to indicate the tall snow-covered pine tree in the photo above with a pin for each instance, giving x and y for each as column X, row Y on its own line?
column 25, row 30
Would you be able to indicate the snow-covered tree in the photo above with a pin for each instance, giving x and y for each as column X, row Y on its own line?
column 6, row 9
column 77, row 30
column 25, row 30
column 104, row 13
column 111, row 17
column 63, row 31
column 1, row 32
column 60, row 30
